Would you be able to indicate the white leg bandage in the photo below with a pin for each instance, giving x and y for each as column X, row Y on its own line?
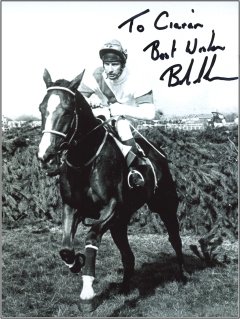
column 87, row 289
column 91, row 246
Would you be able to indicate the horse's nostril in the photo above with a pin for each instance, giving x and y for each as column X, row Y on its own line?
column 42, row 158
column 39, row 157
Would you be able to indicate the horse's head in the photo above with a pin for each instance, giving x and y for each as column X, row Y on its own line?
column 58, row 111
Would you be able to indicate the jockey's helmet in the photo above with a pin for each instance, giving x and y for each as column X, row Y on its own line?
column 113, row 51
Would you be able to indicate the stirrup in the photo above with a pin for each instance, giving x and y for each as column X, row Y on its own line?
column 133, row 171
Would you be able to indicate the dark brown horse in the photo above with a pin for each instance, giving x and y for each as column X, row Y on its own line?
column 93, row 181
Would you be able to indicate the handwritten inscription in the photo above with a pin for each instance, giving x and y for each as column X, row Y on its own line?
column 162, row 23
column 157, row 23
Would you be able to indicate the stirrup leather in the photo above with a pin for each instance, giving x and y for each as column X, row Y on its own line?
column 140, row 150
column 133, row 171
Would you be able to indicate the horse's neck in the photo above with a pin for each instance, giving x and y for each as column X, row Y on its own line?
column 87, row 124
column 89, row 137
column 86, row 148
column 87, row 120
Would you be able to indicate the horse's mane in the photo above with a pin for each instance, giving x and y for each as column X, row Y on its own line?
column 80, row 99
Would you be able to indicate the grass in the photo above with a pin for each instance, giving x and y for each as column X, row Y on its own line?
column 35, row 282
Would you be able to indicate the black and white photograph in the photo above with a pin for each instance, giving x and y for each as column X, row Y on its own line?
column 120, row 172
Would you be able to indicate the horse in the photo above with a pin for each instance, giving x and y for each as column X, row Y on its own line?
column 92, row 178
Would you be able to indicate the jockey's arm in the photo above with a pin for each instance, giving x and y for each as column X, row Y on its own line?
column 144, row 111
column 102, row 110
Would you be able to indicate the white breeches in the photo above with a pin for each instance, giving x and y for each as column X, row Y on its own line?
column 124, row 129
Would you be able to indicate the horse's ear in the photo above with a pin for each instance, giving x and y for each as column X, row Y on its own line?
column 76, row 82
column 47, row 78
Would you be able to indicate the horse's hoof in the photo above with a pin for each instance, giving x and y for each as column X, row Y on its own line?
column 79, row 263
column 75, row 269
column 124, row 288
column 67, row 255
column 88, row 305
column 183, row 278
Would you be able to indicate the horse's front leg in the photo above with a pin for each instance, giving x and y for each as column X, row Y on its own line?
column 93, row 241
column 71, row 220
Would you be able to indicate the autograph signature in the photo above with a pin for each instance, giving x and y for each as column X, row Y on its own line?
column 191, row 48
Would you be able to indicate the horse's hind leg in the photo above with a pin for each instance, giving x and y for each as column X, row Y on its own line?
column 168, row 214
column 119, row 235
column 172, row 225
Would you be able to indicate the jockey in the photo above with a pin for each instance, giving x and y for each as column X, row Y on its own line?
column 114, row 90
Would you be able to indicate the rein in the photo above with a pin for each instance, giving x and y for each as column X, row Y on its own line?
column 146, row 140
column 76, row 117
column 93, row 158
column 75, row 131
column 103, row 123
column 96, row 128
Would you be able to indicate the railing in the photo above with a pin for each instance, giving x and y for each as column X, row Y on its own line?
column 185, row 126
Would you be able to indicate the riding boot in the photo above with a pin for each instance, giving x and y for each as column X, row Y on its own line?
column 134, row 160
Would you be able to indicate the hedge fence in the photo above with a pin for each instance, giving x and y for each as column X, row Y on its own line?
column 204, row 165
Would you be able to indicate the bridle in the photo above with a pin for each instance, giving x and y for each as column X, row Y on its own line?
column 102, row 123
column 74, row 118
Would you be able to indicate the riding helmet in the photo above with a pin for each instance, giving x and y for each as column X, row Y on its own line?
column 113, row 50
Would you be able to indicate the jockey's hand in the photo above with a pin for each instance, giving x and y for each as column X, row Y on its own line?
column 144, row 111
column 104, row 111
column 117, row 109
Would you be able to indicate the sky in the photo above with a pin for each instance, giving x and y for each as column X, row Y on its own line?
column 65, row 37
